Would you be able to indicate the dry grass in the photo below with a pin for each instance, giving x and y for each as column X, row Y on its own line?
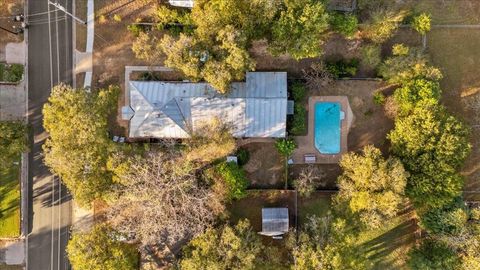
column 451, row 11
column 456, row 52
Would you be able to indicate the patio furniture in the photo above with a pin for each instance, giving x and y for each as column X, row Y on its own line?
column 115, row 138
column 310, row 158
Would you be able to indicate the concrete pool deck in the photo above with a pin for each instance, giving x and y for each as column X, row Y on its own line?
column 306, row 144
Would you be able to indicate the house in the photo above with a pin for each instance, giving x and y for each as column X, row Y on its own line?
column 274, row 221
column 174, row 109
column 181, row 3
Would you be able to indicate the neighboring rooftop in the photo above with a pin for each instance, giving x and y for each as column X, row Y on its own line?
column 274, row 221
column 171, row 109
column 181, row 3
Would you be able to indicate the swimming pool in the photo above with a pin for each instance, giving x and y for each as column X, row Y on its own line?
column 327, row 127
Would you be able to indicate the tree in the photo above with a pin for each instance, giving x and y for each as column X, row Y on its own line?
column 217, row 48
column 161, row 200
column 433, row 255
column 382, row 24
column 13, row 141
column 300, row 30
column 448, row 220
column 371, row 187
column 210, row 141
column 229, row 180
column 100, row 249
column 237, row 247
column 415, row 92
column 285, row 147
column 407, row 64
column 422, row 23
column 78, row 147
column 371, row 56
column 345, row 24
column 145, row 47
column 308, row 181
column 308, row 248
column 432, row 144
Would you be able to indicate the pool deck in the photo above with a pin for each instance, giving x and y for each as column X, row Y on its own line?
column 306, row 144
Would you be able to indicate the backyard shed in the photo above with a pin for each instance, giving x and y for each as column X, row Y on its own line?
column 274, row 221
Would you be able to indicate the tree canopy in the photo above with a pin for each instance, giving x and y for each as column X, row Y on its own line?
column 100, row 249
column 382, row 24
column 161, row 200
column 300, row 29
column 78, row 147
column 372, row 187
column 407, row 64
column 433, row 255
column 237, row 247
column 432, row 144
column 417, row 91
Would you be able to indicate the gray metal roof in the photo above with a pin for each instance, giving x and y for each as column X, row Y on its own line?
column 181, row 3
column 255, row 108
column 274, row 221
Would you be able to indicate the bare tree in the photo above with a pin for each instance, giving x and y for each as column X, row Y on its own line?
column 161, row 201
column 308, row 180
column 317, row 76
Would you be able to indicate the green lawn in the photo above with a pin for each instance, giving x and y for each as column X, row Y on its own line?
column 10, row 201
column 318, row 204
column 387, row 247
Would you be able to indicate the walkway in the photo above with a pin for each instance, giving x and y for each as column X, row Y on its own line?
column 84, row 60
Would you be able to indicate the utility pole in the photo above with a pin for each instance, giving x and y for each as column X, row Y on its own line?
column 60, row 7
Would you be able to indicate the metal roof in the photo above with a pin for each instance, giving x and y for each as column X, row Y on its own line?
column 274, row 221
column 181, row 3
column 255, row 108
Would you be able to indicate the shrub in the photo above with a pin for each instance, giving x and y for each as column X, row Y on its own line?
column 135, row 29
column 400, row 50
column 13, row 141
column 379, row 98
column 117, row 18
column 345, row 24
column 299, row 121
column 11, row 73
column 371, row 56
column 383, row 24
column 234, row 178
column 285, row 146
column 243, row 156
column 343, row 68
column 298, row 91
column 422, row 23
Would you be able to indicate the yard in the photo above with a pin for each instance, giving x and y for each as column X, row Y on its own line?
column 265, row 167
column 387, row 247
column 456, row 52
column 10, row 201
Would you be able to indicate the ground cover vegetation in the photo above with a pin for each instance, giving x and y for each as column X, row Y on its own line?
column 13, row 141
column 11, row 72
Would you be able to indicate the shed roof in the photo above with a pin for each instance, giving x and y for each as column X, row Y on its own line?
column 274, row 221
column 255, row 108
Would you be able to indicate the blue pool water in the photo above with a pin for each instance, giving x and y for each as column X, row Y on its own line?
column 327, row 127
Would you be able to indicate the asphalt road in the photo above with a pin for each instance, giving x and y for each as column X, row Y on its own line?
column 50, row 206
